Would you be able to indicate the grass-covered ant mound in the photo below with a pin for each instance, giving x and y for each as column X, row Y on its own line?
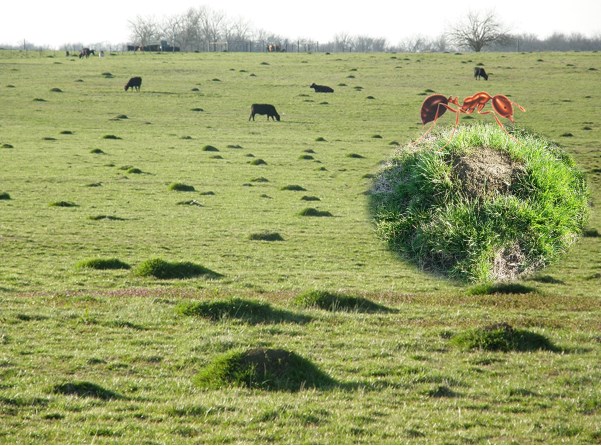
column 162, row 269
column 85, row 389
column 240, row 309
column 262, row 368
column 329, row 301
column 480, row 206
column 98, row 263
column 502, row 337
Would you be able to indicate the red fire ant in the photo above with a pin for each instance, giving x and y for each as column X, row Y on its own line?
column 436, row 105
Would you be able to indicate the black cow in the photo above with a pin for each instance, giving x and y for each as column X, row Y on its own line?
column 480, row 72
column 263, row 109
column 321, row 88
column 86, row 52
column 134, row 83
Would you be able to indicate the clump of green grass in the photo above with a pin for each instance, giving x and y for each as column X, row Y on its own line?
column 293, row 187
column 312, row 212
column 210, row 148
column 162, row 269
column 235, row 308
column 500, row 288
column 501, row 337
column 112, row 263
column 258, row 162
column 56, row 90
column 329, row 301
column 85, row 389
column 97, row 151
column 111, row 137
column 7, row 146
column 4, row 196
column 106, row 217
column 181, row 187
column 266, row 236
column 226, row 308
column 261, row 368
column 310, row 198
column 63, row 204
column 480, row 207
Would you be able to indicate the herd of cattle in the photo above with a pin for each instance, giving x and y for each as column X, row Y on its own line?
column 268, row 109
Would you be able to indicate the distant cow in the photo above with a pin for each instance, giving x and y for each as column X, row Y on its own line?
column 480, row 72
column 134, row 83
column 86, row 52
column 321, row 88
column 263, row 109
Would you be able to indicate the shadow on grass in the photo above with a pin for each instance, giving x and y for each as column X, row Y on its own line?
column 87, row 390
column 328, row 301
column 245, row 310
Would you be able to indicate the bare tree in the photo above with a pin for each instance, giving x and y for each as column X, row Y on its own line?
column 477, row 32
column 190, row 37
column 173, row 30
column 366, row 44
column 211, row 24
column 144, row 30
column 343, row 42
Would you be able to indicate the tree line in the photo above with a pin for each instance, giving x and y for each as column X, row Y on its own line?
column 204, row 30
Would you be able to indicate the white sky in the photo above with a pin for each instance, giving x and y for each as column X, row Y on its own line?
column 53, row 23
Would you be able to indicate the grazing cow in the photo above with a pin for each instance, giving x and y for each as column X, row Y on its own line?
column 263, row 109
column 480, row 72
column 85, row 52
column 321, row 88
column 134, row 83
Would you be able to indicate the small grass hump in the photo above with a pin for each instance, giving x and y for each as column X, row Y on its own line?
column 266, row 236
column 501, row 337
column 262, row 368
column 329, row 301
column 112, row 263
column 85, row 389
column 162, row 269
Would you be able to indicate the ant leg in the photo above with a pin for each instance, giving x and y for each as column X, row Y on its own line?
column 519, row 106
column 500, row 123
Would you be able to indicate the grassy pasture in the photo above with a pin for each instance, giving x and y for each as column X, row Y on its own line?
column 86, row 174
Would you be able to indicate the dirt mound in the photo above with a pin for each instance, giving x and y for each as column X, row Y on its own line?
column 486, row 172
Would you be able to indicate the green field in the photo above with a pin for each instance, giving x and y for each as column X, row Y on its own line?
column 88, row 170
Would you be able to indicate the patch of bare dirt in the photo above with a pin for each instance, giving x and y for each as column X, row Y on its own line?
column 486, row 173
